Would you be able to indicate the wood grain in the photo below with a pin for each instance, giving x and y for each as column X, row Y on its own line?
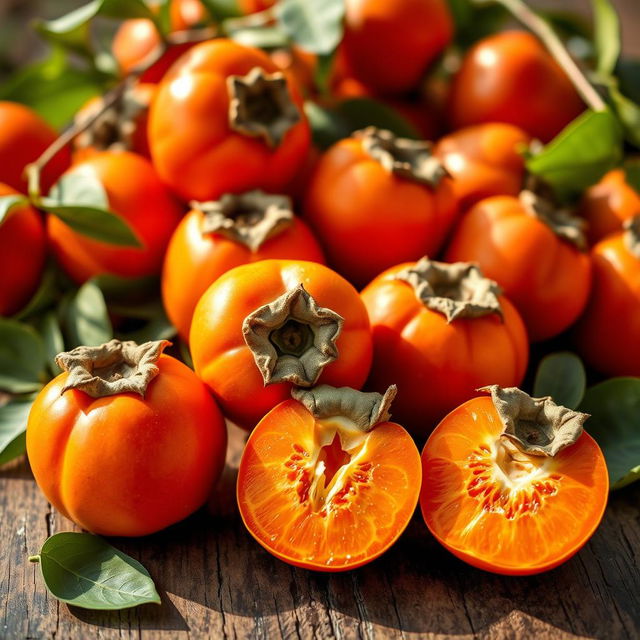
column 216, row 581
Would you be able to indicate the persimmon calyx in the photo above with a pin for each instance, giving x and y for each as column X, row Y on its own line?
column 561, row 221
column 457, row 290
column 632, row 235
column 112, row 368
column 292, row 338
column 249, row 218
column 260, row 106
column 364, row 410
column 536, row 426
column 410, row 159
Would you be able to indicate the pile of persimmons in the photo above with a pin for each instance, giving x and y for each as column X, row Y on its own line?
column 338, row 211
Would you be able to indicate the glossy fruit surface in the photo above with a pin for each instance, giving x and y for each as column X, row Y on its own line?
column 136, row 193
column 23, row 247
column 510, row 77
column 515, row 516
column 322, row 496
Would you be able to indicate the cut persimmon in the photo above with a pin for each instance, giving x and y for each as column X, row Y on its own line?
column 512, row 484
column 326, row 482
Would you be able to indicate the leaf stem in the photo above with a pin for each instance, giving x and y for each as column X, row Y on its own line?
column 546, row 34
column 34, row 559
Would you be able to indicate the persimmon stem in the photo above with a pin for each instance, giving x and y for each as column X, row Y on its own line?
column 549, row 38
column 34, row 559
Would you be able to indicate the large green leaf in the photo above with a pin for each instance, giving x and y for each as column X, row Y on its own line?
column 49, row 328
column 44, row 295
column 627, row 111
column 327, row 126
column 606, row 36
column 22, row 357
column 87, row 320
column 614, row 406
column 316, row 25
column 562, row 376
column 83, row 570
column 7, row 203
column 13, row 425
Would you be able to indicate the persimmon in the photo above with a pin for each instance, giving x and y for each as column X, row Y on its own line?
column 510, row 77
column 24, row 136
column 23, row 248
column 127, row 440
column 388, row 44
column 227, row 120
column 512, row 484
column 216, row 236
column 263, row 327
column 376, row 200
column 484, row 160
column 535, row 251
column 440, row 331
column 326, row 481
column 136, row 193
column 608, row 204
column 607, row 333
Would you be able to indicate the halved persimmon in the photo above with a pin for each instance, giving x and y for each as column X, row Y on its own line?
column 512, row 484
column 326, row 482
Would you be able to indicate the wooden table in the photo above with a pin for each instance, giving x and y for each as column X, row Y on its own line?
column 216, row 581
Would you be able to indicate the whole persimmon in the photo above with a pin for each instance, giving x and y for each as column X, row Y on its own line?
column 126, row 441
column 513, row 484
column 376, row 200
column 217, row 236
column 440, row 331
column 263, row 327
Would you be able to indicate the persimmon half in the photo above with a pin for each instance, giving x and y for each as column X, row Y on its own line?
column 512, row 484
column 326, row 482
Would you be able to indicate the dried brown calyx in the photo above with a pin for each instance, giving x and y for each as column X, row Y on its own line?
column 560, row 220
column 535, row 426
column 292, row 338
column 261, row 106
column 410, row 159
column 249, row 218
column 364, row 410
column 112, row 368
column 457, row 290
column 632, row 235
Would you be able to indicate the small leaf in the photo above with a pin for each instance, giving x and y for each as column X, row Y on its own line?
column 363, row 112
column 327, row 126
column 580, row 154
column 261, row 37
column 13, row 425
column 22, row 357
column 7, row 203
column 606, row 36
column 316, row 25
column 80, row 201
column 83, row 570
column 87, row 320
column 222, row 9
column 614, row 406
column 49, row 329
column 632, row 173
column 562, row 376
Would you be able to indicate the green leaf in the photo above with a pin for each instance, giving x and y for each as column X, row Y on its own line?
column 261, row 37
column 580, row 154
column 327, row 126
column 363, row 112
column 87, row 320
column 632, row 173
column 614, row 406
column 44, row 295
column 22, row 357
column 562, row 376
column 222, row 9
column 628, row 74
column 51, row 333
column 157, row 328
column 474, row 21
column 7, row 203
column 83, row 570
column 13, row 425
column 80, row 201
column 627, row 111
column 316, row 25
column 606, row 36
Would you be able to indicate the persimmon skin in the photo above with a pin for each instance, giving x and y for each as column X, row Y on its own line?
column 437, row 365
column 607, row 204
column 193, row 147
column 291, row 424
column 136, row 193
column 484, row 161
column 194, row 260
column 388, row 44
column 124, row 465
column 23, row 249
column 368, row 219
column 24, row 137
column 546, row 278
column 510, row 77
column 470, row 421
column 226, row 364
column 607, row 333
